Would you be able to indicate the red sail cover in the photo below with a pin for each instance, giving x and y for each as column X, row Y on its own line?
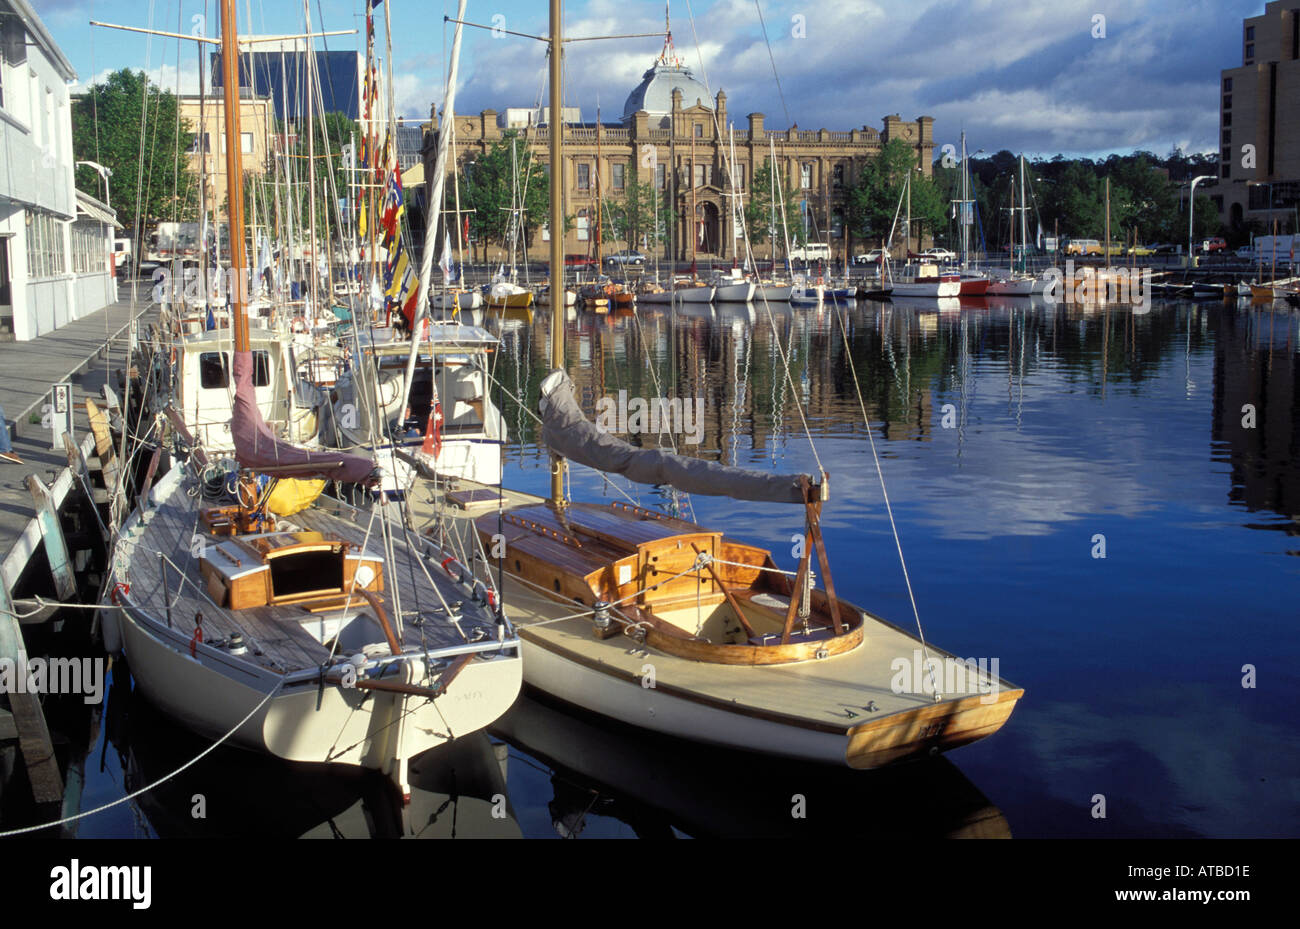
column 259, row 450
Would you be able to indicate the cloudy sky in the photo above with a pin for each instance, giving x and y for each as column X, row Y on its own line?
column 1029, row 76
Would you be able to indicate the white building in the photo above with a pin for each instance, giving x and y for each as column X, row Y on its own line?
column 56, row 245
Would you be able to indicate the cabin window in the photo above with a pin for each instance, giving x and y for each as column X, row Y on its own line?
column 261, row 369
column 214, row 372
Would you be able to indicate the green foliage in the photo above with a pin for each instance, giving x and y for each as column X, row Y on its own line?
column 630, row 216
column 763, row 204
column 487, row 184
column 329, row 136
column 106, row 128
column 873, row 200
column 1147, row 194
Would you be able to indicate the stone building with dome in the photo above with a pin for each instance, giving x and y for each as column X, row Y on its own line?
column 668, row 135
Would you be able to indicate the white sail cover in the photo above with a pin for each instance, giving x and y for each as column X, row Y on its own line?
column 569, row 433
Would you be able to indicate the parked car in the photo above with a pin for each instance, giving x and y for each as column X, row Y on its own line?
column 1141, row 250
column 626, row 257
column 939, row 254
column 579, row 261
column 1214, row 244
column 1165, row 248
column 1084, row 247
column 870, row 258
column 1247, row 252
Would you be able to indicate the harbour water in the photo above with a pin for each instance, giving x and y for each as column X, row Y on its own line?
column 1020, row 444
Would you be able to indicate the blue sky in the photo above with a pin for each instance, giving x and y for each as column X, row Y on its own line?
column 1024, row 76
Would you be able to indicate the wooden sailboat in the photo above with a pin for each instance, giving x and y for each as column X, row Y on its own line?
column 674, row 626
column 285, row 621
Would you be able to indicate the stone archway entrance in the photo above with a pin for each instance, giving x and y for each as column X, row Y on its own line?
column 708, row 231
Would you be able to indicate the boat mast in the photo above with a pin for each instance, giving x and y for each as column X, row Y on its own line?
column 557, row 227
column 965, row 199
column 234, row 176
column 600, row 259
column 1024, row 217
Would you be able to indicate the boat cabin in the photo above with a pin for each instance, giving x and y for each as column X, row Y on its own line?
column 283, row 568
column 206, row 385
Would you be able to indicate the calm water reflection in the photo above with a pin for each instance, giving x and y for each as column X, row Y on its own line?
column 1012, row 435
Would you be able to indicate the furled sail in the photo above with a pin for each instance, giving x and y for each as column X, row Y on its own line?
column 258, row 449
column 569, row 433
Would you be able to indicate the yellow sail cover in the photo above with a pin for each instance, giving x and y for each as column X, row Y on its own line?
column 291, row 495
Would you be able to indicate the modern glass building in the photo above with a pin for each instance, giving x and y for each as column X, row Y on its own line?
column 278, row 69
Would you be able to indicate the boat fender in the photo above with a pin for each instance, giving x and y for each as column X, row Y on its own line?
column 453, row 568
column 198, row 635
column 120, row 590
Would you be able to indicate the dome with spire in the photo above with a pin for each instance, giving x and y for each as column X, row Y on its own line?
column 655, row 92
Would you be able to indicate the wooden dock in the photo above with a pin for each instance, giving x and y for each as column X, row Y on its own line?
column 34, row 494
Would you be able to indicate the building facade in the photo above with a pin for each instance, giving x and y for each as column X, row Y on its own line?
column 56, row 243
column 1259, row 124
column 206, row 118
column 676, row 136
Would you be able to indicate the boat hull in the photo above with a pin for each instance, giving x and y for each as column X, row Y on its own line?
column 677, row 711
column 211, row 694
column 776, row 293
column 734, row 293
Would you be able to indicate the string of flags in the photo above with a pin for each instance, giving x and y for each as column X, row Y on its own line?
column 401, row 281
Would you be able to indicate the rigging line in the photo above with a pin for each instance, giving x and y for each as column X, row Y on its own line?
column 162, row 780
column 889, row 509
column 770, row 57
column 749, row 250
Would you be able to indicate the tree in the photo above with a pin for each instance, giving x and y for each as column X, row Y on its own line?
column 488, row 182
column 106, row 128
column 329, row 136
column 763, row 211
column 873, row 200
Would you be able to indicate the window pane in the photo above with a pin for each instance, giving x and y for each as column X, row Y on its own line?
column 261, row 369
column 584, row 177
column 661, row 175
column 246, row 143
column 618, row 170
column 213, row 371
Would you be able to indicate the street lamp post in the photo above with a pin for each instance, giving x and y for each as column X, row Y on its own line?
column 1191, row 213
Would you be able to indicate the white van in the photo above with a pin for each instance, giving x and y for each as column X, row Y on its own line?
column 813, row 251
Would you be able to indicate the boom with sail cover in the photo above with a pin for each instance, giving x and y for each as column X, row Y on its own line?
column 568, row 433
